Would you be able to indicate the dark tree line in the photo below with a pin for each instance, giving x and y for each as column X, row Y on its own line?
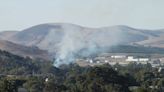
column 31, row 74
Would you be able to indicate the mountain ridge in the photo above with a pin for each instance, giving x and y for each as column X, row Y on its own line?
column 67, row 38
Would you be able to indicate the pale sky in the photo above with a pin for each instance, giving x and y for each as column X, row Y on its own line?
column 21, row 14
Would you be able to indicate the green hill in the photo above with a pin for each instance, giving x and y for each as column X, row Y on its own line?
column 17, row 65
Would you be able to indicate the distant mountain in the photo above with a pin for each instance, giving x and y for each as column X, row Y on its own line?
column 48, row 35
column 24, row 51
column 64, row 40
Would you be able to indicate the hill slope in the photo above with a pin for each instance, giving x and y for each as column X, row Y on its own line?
column 16, row 65
column 24, row 51
column 65, row 40
column 49, row 36
column 7, row 34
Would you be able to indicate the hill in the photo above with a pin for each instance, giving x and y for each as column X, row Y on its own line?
column 51, row 36
column 24, row 51
column 11, row 64
column 63, row 41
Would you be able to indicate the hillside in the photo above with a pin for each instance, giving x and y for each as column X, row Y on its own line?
column 16, row 65
column 51, row 36
column 63, row 41
column 24, row 51
column 154, row 41
column 7, row 34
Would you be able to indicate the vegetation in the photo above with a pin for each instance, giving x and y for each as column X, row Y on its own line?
column 15, row 65
column 41, row 76
column 104, row 78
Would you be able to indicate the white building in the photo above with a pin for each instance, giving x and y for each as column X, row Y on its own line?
column 138, row 60
column 132, row 59
column 143, row 59
column 118, row 56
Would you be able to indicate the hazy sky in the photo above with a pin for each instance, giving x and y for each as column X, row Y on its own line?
column 21, row 14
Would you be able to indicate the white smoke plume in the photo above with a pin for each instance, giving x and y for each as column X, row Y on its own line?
column 76, row 38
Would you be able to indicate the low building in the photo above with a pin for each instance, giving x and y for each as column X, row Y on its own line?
column 143, row 59
column 118, row 56
column 132, row 59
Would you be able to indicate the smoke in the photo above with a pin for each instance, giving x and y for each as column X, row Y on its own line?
column 83, row 42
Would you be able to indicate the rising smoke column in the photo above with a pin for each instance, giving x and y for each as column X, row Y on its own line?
column 71, row 42
column 76, row 38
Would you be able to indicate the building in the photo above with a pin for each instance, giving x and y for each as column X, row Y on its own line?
column 118, row 56
column 131, row 59
column 143, row 59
